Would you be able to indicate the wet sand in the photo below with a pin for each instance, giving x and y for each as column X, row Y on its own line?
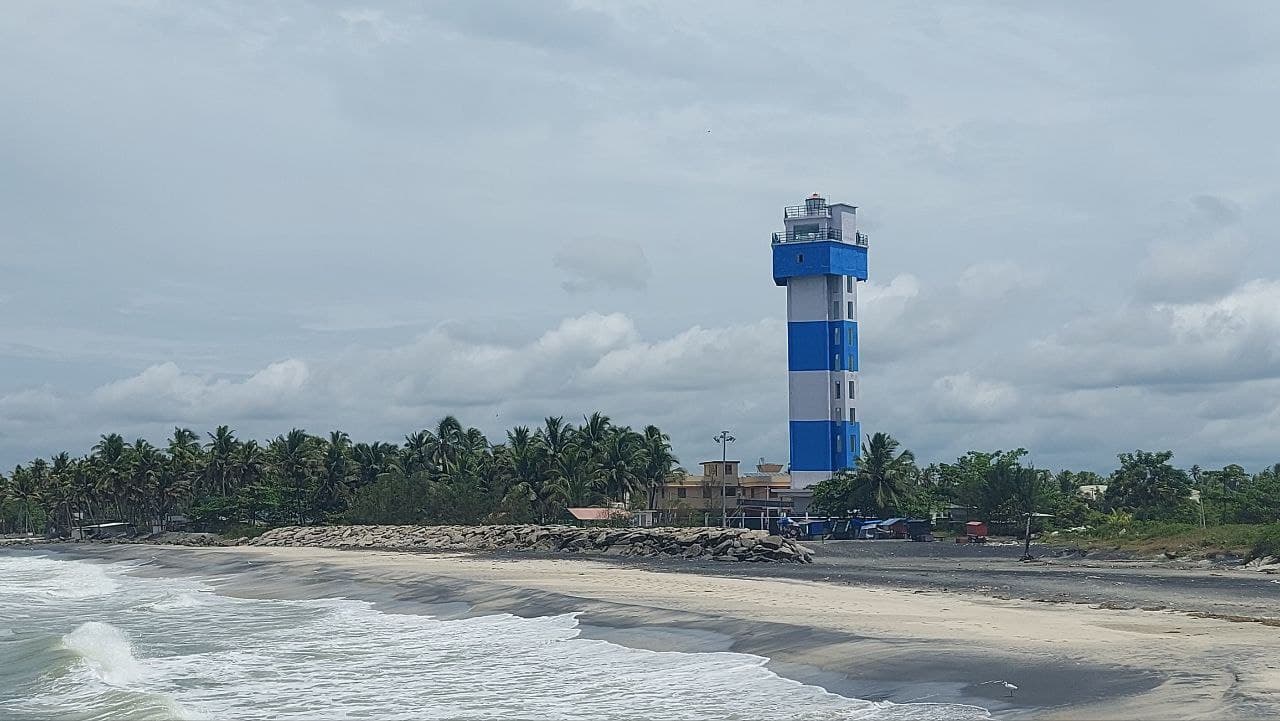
column 872, row 641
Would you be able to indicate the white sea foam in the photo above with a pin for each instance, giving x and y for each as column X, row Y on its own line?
column 178, row 602
column 240, row 658
column 34, row 576
column 106, row 652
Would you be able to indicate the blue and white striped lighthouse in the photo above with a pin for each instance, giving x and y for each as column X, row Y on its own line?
column 820, row 256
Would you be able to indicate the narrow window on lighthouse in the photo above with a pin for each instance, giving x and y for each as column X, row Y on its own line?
column 835, row 309
column 837, row 384
column 836, row 333
column 850, row 310
column 848, row 284
column 851, row 396
column 836, row 364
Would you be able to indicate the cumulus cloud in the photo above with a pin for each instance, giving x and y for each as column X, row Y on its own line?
column 382, row 196
column 594, row 264
column 585, row 363
column 1231, row 338
column 164, row 393
column 29, row 406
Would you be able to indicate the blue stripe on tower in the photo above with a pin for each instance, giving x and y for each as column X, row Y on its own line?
column 807, row 346
column 811, row 444
column 811, row 345
column 814, row 448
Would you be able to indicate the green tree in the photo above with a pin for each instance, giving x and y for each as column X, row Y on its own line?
column 881, row 485
column 658, row 462
column 575, row 478
column 294, row 462
column 1149, row 487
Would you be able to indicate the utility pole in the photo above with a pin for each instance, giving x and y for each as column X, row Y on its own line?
column 724, row 439
column 1026, row 549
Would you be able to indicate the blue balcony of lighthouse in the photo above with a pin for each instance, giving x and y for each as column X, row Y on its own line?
column 818, row 251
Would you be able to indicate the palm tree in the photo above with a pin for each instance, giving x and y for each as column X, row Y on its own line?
column 416, row 455
column 145, row 466
column 374, row 459
column 555, row 436
column 595, row 433
column 219, row 470
column 109, row 465
column 575, row 478
column 57, row 491
column 186, row 461
column 168, row 490
column 884, row 473
column 293, row 459
column 335, row 477
column 658, row 462
column 524, row 459
column 249, row 468
column 80, row 489
column 446, row 444
column 23, row 490
column 622, row 464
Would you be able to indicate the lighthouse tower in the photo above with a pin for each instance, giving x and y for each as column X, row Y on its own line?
column 820, row 256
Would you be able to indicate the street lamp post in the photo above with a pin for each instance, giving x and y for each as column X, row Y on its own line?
column 1026, row 548
column 724, row 439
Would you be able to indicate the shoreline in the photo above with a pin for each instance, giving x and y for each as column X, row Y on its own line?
column 920, row 645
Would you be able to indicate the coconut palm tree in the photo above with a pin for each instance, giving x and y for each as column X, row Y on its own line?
column 336, row 473
column 884, row 473
column 575, row 478
column 416, row 455
column 374, row 459
column 595, row 433
column 24, row 492
column 145, row 466
column 109, row 466
column 528, row 485
column 620, row 470
column 446, row 444
column 556, row 436
column 658, row 461
column 293, row 458
column 219, row 470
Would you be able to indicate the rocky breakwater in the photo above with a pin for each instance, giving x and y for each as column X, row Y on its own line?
column 717, row 544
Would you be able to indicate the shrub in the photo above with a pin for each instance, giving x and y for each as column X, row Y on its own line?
column 1267, row 543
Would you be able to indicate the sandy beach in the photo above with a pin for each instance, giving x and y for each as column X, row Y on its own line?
column 875, row 641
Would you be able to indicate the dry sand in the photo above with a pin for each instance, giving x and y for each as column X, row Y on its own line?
column 1069, row 661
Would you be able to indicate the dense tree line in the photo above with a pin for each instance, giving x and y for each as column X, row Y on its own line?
column 453, row 474
column 1000, row 486
column 448, row 474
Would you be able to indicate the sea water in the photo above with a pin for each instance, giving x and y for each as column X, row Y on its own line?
column 84, row 640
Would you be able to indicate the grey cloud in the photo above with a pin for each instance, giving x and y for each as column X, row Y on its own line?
column 599, row 264
column 379, row 194
column 1201, row 255
column 1234, row 337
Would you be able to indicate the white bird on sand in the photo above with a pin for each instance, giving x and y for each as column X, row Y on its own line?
column 1006, row 684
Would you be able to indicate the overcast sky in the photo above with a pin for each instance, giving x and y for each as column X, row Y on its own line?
column 334, row 215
